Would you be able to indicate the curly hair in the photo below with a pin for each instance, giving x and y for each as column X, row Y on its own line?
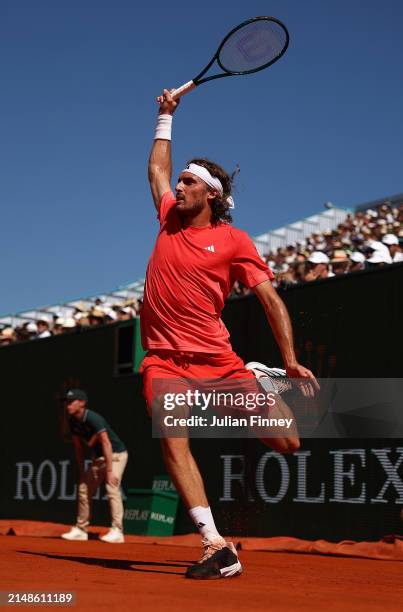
column 219, row 207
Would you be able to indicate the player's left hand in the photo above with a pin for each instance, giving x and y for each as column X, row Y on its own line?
column 111, row 479
column 167, row 104
column 308, row 388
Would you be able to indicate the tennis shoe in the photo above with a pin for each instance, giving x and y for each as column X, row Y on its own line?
column 271, row 379
column 114, row 536
column 220, row 560
column 75, row 533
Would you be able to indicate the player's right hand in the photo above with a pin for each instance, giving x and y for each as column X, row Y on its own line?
column 308, row 384
column 111, row 479
column 167, row 104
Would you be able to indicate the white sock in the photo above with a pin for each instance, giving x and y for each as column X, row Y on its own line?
column 203, row 519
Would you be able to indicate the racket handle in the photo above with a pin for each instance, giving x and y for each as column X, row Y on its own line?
column 183, row 89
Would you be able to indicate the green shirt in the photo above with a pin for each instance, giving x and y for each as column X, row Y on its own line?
column 91, row 425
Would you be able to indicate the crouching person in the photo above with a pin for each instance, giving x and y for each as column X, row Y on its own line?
column 108, row 464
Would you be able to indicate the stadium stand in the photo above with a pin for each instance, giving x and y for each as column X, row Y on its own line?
column 333, row 242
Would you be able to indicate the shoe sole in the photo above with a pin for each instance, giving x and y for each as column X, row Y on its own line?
column 101, row 539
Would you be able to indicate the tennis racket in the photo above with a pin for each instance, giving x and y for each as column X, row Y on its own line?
column 253, row 45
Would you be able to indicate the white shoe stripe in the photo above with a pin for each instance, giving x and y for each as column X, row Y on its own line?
column 231, row 570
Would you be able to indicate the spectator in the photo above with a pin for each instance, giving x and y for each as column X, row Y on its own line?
column 96, row 316
column 7, row 336
column 286, row 277
column 125, row 313
column 340, row 262
column 43, row 328
column 357, row 261
column 300, row 271
column 82, row 319
column 68, row 324
column 379, row 258
column 395, row 251
column 110, row 315
column 21, row 334
column 379, row 253
column 31, row 329
column 58, row 326
column 317, row 267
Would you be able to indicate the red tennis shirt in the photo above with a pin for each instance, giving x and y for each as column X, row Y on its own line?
column 189, row 275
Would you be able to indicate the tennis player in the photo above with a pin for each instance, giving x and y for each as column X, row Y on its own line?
column 196, row 259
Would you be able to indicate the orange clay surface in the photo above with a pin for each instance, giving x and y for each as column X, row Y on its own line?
column 137, row 576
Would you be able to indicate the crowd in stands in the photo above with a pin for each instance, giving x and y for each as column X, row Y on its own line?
column 365, row 239
column 368, row 239
column 81, row 316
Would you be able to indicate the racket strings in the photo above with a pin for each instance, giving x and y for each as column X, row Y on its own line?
column 253, row 46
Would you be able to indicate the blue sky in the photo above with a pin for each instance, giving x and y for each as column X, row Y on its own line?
column 77, row 117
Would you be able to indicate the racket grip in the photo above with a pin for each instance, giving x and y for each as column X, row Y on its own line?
column 183, row 89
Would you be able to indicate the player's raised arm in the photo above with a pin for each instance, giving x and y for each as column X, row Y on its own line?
column 280, row 324
column 160, row 162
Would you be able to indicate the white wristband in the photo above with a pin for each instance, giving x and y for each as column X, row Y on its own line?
column 163, row 130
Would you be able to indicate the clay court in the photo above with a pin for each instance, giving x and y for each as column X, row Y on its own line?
column 144, row 576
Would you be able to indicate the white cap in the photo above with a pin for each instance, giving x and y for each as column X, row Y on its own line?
column 318, row 257
column 390, row 239
column 128, row 310
column 111, row 314
column 80, row 315
column 375, row 245
column 380, row 257
column 357, row 257
column 69, row 322
column 32, row 327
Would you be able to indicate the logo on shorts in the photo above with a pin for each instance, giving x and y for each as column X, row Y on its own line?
column 210, row 248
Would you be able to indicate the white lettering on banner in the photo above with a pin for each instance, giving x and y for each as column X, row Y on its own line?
column 53, row 480
column 134, row 514
column 156, row 516
column 284, row 482
column 302, row 496
column 229, row 476
column 340, row 476
column 42, row 483
column 25, row 472
column 50, row 479
column 391, row 471
column 63, row 495
column 343, row 475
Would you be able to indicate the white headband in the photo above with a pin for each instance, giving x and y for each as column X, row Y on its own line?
column 210, row 180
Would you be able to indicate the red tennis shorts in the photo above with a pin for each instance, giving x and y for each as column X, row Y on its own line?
column 180, row 366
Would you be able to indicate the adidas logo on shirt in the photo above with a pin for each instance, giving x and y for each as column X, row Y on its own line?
column 210, row 248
